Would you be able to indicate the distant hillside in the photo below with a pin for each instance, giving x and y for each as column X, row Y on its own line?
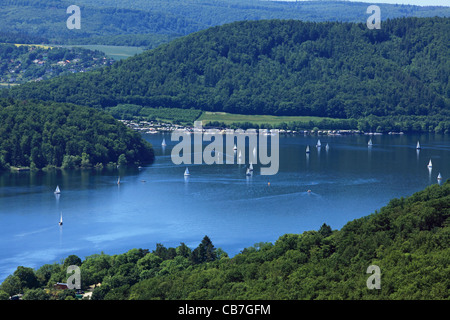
column 148, row 23
column 38, row 135
column 331, row 69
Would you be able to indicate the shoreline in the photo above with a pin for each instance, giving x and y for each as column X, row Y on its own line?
column 154, row 127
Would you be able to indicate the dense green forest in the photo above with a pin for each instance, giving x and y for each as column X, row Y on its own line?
column 49, row 134
column 144, row 22
column 408, row 240
column 330, row 69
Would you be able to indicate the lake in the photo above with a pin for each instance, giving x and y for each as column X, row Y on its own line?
column 156, row 204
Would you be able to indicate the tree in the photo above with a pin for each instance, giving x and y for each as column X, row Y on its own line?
column 27, row 277
column 11, row 285
column 325, row 230
column 205, row 252
column 71, row 260
column 3, row 295
column 36, row 294
column 122, row 160
column 183, row 250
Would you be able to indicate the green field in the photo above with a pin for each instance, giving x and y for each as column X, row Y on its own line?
column 115, row 52
column 229, row 118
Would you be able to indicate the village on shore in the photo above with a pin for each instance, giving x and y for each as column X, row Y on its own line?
column 154, row 127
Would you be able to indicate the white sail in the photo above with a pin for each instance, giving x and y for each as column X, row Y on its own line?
column 248, row 173
column 327, row 147
column 370, row 142
column 318, row 143
column 164, row 143
column 251, row 167
column 186, row 172
column 235, row 148
column 118, row 180
column 418, row 145
column 60, row 220
column 307, row 149
column 57, row 191
column 439, row 176
column 430, row 164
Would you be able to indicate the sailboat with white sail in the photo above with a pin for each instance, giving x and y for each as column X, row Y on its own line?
column 307, row 149
column 251, row 167
column 57, row 190
column 164, row 143
column 430, row 165
column 439, row 176
column 319, row 144
column 60, row 220
column 186, row 172
column 370, row 143
column 418, row 145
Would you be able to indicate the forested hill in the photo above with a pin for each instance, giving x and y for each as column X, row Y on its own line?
column 147, row 23
column 49, row 134
column 278, row 67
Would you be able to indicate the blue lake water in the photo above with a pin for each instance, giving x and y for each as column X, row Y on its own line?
column 156, row 204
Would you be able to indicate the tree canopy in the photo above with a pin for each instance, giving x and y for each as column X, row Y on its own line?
column 40, row 134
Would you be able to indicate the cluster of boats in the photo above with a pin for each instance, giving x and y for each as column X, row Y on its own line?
column 430, row 164
column 318, row 145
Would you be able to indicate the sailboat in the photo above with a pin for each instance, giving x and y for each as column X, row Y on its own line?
column 370, row 143
column 318, row 145
column 307, row 149
column 418, row 145
column 327, row 147
column 430, row 165
column 235, row 147
column 248, row 173
column 57, row 191
column 118, row 180
column 186, row 172
column 164, row 143
column 439, row 176
column 250, row 167
column 60, row 220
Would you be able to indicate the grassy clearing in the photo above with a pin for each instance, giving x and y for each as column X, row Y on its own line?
column 115, row 52
column 34, row 45
column 229, row 118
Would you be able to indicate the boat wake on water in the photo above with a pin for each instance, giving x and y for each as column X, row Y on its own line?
column 24, row 234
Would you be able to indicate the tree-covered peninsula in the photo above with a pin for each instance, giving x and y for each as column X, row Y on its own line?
column 408, row 240
column 37, row 134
